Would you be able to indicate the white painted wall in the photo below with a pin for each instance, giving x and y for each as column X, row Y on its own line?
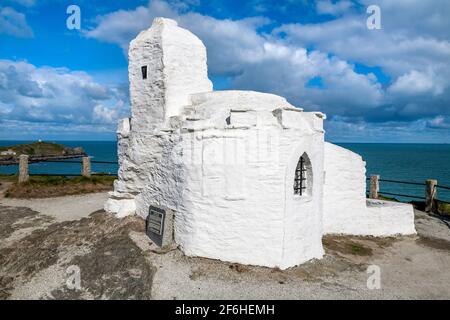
column 302, row 214
column 345, row 208
column 176, row 68
column 344, row 189
column 389, row 218
column 185, row 68
column 176, row 64
column 236, row 200
column 224, row 162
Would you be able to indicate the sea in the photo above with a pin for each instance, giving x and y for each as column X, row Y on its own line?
column 401, row 162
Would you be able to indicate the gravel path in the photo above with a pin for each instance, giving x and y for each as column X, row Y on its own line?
column 62, row 208
column 44, row 242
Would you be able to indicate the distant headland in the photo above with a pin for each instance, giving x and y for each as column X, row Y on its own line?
column 38, row 151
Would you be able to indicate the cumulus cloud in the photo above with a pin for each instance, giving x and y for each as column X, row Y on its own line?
column 254, row 61
column 120, row 27
column 416, row 83
column 25, row 3
column 412, row 51
column 49, row 96
column 335, row 9
column 415, row 35
column 104, row 114
column 14, row 23
column 439, row 122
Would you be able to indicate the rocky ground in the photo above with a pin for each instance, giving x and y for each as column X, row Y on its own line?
column 44, row 245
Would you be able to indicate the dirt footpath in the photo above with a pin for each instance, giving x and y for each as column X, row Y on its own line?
column 43, row 248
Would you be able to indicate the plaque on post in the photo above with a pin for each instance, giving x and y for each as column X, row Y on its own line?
column 159, row 226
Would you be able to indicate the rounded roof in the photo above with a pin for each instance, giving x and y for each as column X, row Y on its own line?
column 214, row 103
column 236, row 99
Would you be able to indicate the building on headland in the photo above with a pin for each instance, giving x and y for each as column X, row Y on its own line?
column 8, row 152
column 239, row 176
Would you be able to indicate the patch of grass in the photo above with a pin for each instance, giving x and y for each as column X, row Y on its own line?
column 8, row 177
column 345, row 245
column 359, row 250
column 61, row 180
column 444, row 208
column 55, row 186
column 381, row 197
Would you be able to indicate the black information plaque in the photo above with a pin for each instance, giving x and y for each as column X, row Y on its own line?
column 155, row 224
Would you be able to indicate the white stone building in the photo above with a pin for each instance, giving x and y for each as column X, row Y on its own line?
column 239, row 176
column 8, row 152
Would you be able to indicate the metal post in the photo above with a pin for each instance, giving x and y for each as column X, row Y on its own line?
column 374, row 186
column 23, row 168
column 86, row 167
column 430, row 196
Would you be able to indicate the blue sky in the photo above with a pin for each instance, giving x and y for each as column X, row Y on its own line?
column 388, row 85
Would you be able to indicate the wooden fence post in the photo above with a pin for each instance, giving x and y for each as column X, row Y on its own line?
column 374, row 186
column 23, row 168
column 86, row 167
column 430, row 196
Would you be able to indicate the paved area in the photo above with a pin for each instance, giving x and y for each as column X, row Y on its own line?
column 62, row 208
column 46, row 244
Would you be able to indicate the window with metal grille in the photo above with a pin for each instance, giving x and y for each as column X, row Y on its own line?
column 300, row 177
column 144, row 72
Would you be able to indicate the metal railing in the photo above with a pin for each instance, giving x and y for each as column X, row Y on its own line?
column 74, row 174
column 81, row 162
column 85, row 168
column 430, row 197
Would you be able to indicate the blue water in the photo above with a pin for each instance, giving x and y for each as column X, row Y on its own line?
column 404, row 162
column 97, row 150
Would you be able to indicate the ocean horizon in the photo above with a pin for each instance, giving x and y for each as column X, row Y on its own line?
column 411, row 162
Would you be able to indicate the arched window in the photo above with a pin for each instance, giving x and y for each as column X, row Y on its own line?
column 303, row 176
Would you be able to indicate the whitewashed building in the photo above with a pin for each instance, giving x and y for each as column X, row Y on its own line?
column 8, row 152
column 239, row 176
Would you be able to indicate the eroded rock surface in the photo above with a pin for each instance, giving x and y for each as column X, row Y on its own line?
column 111, row 265
column 117, row 261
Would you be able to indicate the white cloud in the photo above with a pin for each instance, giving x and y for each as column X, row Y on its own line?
column 255, row 61
column 104, row 114
column 121, row 26
column 14, row 23
column 415, row 35
column 335, row 9
column 439, row 122
column 412, row 49
column 416, row 83
column 25, row 3
column 52, row 96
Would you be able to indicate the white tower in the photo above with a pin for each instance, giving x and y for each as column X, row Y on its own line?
column 166, row 65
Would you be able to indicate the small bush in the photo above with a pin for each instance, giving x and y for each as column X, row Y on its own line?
column 444, row 208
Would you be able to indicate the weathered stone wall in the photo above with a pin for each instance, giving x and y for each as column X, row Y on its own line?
column 234, row 197
column 176, row 68
column 224, row 162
